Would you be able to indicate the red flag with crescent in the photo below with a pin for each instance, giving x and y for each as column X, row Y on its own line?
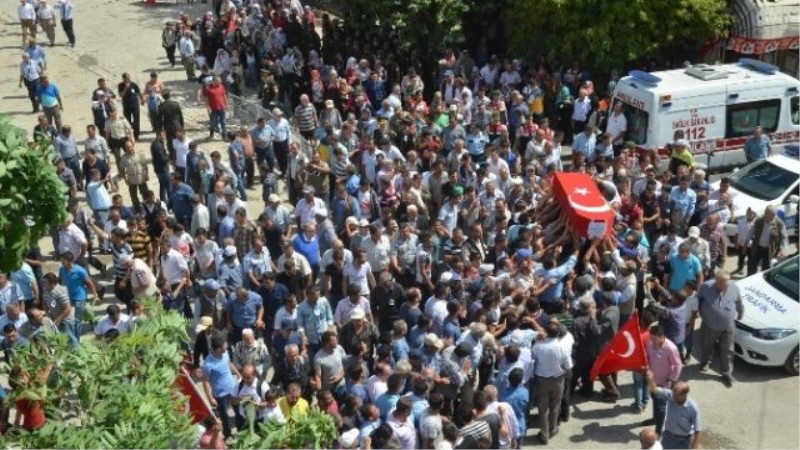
column 587, row 209
column 625, row 351
column 197, row 406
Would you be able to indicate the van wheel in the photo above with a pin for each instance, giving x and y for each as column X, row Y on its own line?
column 793, row 362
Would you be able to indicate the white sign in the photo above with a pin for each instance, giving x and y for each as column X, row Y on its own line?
column 596, row 230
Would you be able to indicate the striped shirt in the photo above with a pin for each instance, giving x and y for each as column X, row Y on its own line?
column 306, row 117
column 116, row 252
column 139, row 241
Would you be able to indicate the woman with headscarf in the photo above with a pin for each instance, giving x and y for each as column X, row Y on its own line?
column 222, row 64
column 314, row 61
column 350, row 71
column 316, row 89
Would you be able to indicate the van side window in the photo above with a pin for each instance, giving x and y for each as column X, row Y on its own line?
column 794, row 110
column 742, row 118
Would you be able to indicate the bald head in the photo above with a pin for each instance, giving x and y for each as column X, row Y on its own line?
column 648, row 438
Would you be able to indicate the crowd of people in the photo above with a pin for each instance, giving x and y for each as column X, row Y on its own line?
column 421, row 283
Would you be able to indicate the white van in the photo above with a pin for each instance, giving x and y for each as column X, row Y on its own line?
column 716, row 107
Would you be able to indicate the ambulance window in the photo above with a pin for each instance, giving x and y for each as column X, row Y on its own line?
column 637, row 124
column 744, row 117
column 794, row 110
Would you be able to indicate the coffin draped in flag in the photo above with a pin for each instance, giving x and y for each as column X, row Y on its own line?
column 624, row 352
column 587, row 210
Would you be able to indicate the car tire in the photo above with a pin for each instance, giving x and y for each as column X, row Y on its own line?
column 793, row 362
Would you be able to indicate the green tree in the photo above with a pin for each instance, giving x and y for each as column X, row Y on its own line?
column 611, row 33
column 32, row 197
column 429, row 26
column 109, row 395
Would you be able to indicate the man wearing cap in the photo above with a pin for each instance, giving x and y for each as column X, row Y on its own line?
column 140, row 278
column 210, row 309
column 307, row 206
column 283, row 135
column 649, row 175
column 699, row 248
column 278, row 213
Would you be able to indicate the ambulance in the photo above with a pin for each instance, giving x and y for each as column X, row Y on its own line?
column 716, row 107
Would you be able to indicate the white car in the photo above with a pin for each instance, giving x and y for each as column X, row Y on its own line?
column 773, row 181
column 769, row 332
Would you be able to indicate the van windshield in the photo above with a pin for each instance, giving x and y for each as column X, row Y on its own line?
column 637, row 123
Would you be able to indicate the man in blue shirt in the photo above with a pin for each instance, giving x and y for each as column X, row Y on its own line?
column 78, row 284
column 244, row 311
column 219, row 382
column 585, row 144
column 556, row 274
column 314, row 317
column 684, row 200
column 11, row 341
column 758, row 147
column 517, row 395
column 684, row 267
column 50, row 99
column 180, row 199
column 263, row 136
column 36, row 52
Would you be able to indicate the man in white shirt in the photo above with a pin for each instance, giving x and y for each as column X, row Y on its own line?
column 67, row 12
column 113, row 320
column 181, row 146
column 307, row 206
column 580, row 111
column 47, row 18
column 617, row 127
column 200, row 215
column 552, row 361
column 27, row 20
column 283, row 135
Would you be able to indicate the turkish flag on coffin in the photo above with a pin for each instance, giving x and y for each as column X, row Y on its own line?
column 624, row 352
column 585, row 206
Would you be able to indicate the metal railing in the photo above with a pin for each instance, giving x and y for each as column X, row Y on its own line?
column 245, row 112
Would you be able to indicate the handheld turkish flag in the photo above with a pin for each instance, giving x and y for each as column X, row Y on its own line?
column 624, row 352
column 585, row 206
